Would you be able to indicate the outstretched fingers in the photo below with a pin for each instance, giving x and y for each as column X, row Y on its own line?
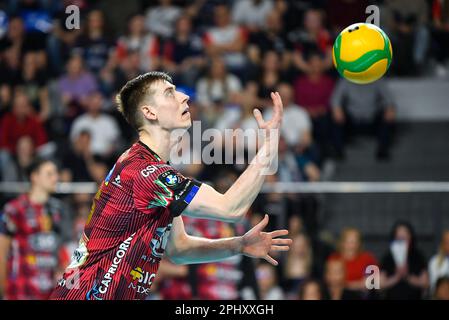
column 278, row 106
column 262, row 224
column 259, row 118
column 280, row 248
column 282, row 241
column 278, row 233
column 271, row 260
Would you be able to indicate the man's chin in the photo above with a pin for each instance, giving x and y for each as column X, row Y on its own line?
column 186, row 124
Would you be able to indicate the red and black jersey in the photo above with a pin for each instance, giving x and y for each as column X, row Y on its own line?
column 36, row 233
column 127, row 230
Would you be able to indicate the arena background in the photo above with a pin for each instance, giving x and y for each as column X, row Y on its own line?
column 228, row 56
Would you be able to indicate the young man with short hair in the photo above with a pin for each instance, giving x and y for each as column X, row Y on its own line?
column 135, row 217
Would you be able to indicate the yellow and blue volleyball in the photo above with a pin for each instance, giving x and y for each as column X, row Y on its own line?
column 362, row 53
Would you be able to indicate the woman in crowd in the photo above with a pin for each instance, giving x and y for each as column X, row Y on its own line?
column 403, row 267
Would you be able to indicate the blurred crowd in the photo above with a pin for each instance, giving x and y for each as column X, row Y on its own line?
column 57, row 91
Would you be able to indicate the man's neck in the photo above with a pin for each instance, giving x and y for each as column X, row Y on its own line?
column 158, row 141
column 38, row 196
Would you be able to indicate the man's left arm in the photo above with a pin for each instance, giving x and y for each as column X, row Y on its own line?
column 185, row 249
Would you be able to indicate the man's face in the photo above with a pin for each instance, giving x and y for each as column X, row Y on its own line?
column 312, row 292
column 170, row 106
column 286, row 93
column 335, row 273
column 95, row 103
column 221, row 16
column 46, row 177
column 21, row 107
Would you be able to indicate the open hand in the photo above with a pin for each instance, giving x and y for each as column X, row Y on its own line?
column 275, row 122
column 258, row 244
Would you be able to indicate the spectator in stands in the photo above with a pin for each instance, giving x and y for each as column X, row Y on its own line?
column 161, row 19
column 114, row 74
column 335, row 282
column 313, row 91
column 440, row 34
column 406, row 25
column 268, row 76
column 297, row 131
column 343, row 13
column 137, row 39
column 439, row 263
column 184, row 53
column 268, row 283
column 363, row 109
column 76, row 84
column 10, row 72
column 18, row 40
column 313, row 38
column 288, row 169
column 60, row 43
column 403, row 267
column 295, row 226
column 20, row 122
column 15, row 167
column 94, row 45
column 34, row 84
column 218, row 85
column 311, row 290
column 251, row 14
column 271, row 38
column 37, row 224
column 78, row 162
column 226, row 39
column 173, row 281
column 442, row 289
column 298, row 264
column 355, row 258
column 103, row 128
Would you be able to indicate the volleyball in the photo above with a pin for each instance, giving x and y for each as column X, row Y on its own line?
column 362, row 53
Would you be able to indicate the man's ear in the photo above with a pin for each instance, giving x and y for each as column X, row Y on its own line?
column 149, row 112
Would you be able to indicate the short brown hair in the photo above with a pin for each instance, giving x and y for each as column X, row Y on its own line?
column 133, row 94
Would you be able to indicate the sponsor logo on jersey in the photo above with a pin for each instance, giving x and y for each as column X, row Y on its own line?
column 43, row 242
column 193, row 191
column 171, row 179
column 148, row 170
column 117, row 181
column 141, row 280
column 42, row 261
column 141, row 276
column 93, row 293
column 159, row 242
column 119, row 255
column 139, row 289
column 80, row 254
column 161, row 199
